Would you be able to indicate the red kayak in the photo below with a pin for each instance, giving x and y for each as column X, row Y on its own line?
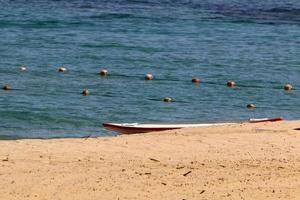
column 275, row 119
column 129, row 128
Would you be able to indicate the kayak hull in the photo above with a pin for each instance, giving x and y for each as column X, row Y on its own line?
column 131, row 128
column 275, row 119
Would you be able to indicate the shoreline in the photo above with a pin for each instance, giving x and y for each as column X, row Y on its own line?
column 241, row 161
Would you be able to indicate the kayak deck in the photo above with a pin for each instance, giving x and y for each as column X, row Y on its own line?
column 129, row 128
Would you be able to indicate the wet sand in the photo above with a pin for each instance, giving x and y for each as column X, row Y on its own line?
column 244, row 161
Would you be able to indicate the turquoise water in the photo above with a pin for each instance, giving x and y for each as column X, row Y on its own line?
column 255, row 43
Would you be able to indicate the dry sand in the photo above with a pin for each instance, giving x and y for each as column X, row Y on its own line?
column 245, row 161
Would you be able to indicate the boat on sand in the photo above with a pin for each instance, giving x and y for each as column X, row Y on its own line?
column 131, row 128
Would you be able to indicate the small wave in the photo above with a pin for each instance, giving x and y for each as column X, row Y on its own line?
column 143, row 17
column 269, row 16
column 112, row 16
column 29, row 23
column 294, row 11
column 42, row 23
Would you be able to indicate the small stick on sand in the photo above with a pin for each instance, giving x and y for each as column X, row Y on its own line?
column 187, row 173
column 154, row 160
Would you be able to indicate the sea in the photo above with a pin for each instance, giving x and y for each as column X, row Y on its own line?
column 255, row 43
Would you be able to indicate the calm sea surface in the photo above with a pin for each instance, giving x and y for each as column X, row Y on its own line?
column 254, row 42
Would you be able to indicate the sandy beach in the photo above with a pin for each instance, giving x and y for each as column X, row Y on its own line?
column 243, row 161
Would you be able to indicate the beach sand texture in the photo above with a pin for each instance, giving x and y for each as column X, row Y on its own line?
column 243, row 161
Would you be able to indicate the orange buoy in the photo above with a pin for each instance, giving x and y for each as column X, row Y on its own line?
column 85, row 92
column 251, row 105
column 288, row 87
column 104, row 72
column 62, row 69
column 149, row 77
column 168, row 99
column 231, row 83
column 6, row 87
column 196, row 80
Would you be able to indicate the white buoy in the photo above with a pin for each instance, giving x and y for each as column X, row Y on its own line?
column 149, row 77
column 104, row 72
column 288, row 87
column 231, row 84
column 62, row 69
column 85, row 92
column 251, row 105
column 6, row 87
column 168, row 99
column 23, row 68
column 196, row 80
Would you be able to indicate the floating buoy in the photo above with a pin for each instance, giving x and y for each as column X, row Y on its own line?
column 6, row 87
column 168, row 99
column 288, row 87
column 104, row 72
column 251, row 105
column 85, row 92
column 62, row 69
column 149, row 77
column 196, row 80
column 230, row 83
column 23, row 68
